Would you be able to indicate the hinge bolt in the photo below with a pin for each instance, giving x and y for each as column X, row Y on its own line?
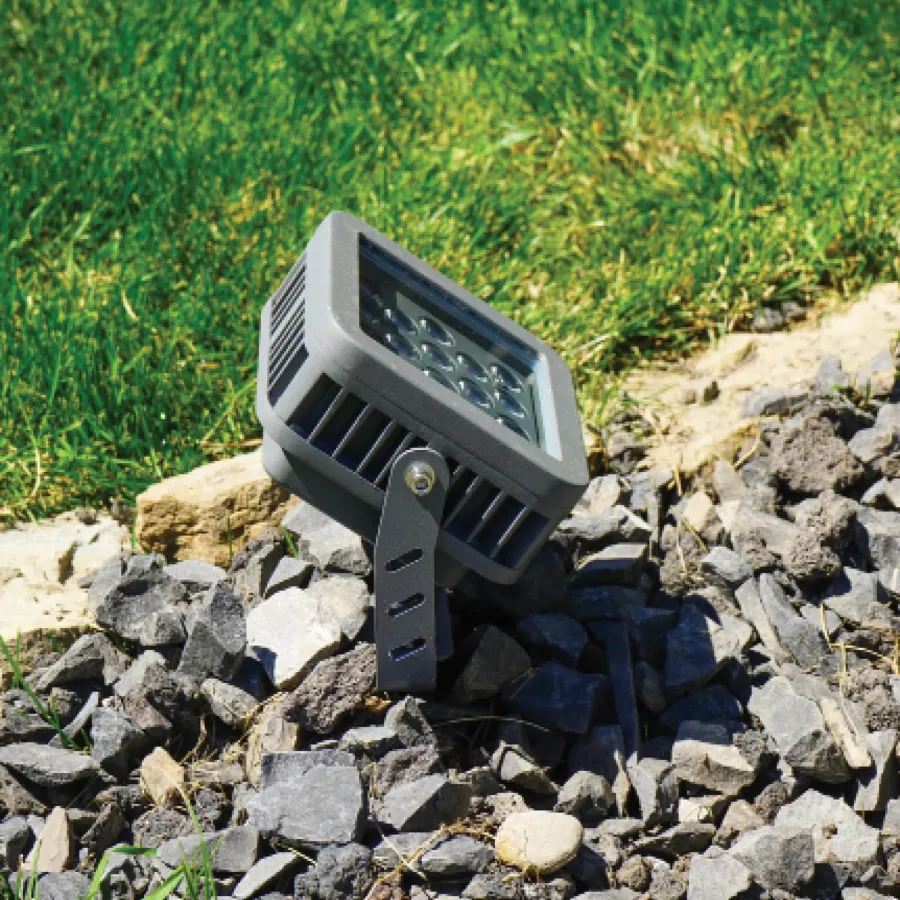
column 420, row 478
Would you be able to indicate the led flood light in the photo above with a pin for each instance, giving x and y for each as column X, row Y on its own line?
column 421, row 418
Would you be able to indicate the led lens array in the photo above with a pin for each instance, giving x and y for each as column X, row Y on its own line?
column 423, row 341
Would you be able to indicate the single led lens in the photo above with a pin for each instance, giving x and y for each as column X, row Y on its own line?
column 435, row 332
column 474, row 394
column 471, row 368
column 437, row 357
column 400, row 321
column 400, row 345
column 510, row 405
column 440, row 379
column 512, row 426
column 505, row 378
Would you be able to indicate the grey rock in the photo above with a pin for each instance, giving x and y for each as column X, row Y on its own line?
column 196, row 575
column 289, row 767
column 891, row 824
column 232, row 851
column 496, row 661
column 514, row 767
column 602, row 751
column 326, row 805
column 830, row 375
column 729, row 485
column 877, row 785
column 290, row 572
column 878, row 376
column 705, row 756
column 252, row 568
column 890, row 581
column 799, row 731
column 587, row 604
column 870, row 444
column 147, row 608
column 878, row 537
column 808, row 457
column 839, row 834
column 340, row 873
column 407, row 719
column 802, row 640
column 696, row 650
column 160, row 824
column 621, row 893
column 656, row 784
column 858, row 597
column 493, row 886
column 553, row 635
column 618, row 564
column 718, row 876
column 81, row 720
column 740, row 818
column 348, row 598
column 48, row 766
column 725, row 568
column 425, row 804
column 215, row 646
column 884, row 494
column 331, row 546
column 679, row 840
column 103, row 580
column 602, row 494
column 228, row 703
column 115, row 741
column 587, row 796
column 105, row 830
column 63, row 886
column 15, row 838
column 779, row 856
column 666, row 885
column 408, row 764
column 712, row 703
column 765, row 401
column 615, row 526
column 456, row 856
column 334, row 689
column 266, row 873
column 372, row 740
column 829, row 516
column 91, row 657
column 559, row 697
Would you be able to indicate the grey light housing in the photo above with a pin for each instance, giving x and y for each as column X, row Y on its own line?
column 366, row 354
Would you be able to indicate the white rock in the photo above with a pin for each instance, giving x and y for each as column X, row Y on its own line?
column 289, row 633
column 542, row 842
column 347, row 597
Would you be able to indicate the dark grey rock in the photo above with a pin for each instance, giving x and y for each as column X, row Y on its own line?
column 718, row 876
column 647, row 629
column 408, row 720
column 666, row 885
column 801, row 639
column 713, row 703
column 106, row 829
column 618, row 564
column 455, row 856
column 48, row 766
column 587, row 604
column 372, row 740
column 63, row 886
column 553, row 635
column 648, row 687
column 779, row 857
column 266, row 873
column 290, row 766
column 115, row 741
column 160, row 824
column 765, row 401
column 796, row 725
column 870, row 444
column 679, row 840
column 333, row 690
column 290, row 572
column 425, row 804
column 227, row 702
column 408, row 764
column 829, row 516
column 331, row 546
column 147, row 608
column 232, row 852
column 559, row 697
column 587, row 796
column 656, row 784
column 602, row 751
column 541, row 588
column 104, row 579
column 196, row 575
column 706, row 756
column 251, row 570
column 15, row 838
column 326, row 805
column 340, row 873
column 496, row 661
column 725, row 568
column 493, row 886
column 215, row 646
column 696, row 650
column 618, row 525
column 858, row 597
column 91, row 657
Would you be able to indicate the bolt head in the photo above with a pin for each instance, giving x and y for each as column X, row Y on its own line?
column 420, row 478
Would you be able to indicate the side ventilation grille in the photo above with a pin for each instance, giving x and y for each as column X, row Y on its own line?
column 288, row 323
column 366, row 441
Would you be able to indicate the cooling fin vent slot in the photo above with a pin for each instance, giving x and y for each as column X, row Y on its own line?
column 366, row 441
column 288, row 322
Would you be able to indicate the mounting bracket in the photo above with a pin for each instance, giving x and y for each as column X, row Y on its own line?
column 405, row 611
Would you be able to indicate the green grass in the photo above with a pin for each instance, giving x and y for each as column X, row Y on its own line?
column 626, row 179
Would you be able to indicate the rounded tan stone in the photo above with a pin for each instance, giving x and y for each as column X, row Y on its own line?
column 541, row 842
